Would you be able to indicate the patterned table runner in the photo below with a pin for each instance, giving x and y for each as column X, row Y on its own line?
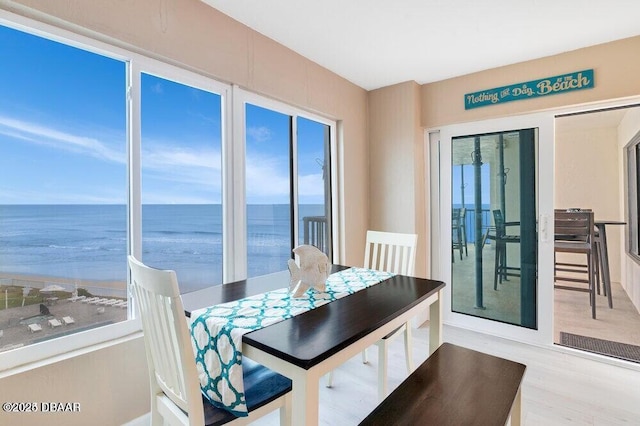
column 216, row 331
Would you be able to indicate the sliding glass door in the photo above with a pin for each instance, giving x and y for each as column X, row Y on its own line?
column 493, row 215
column 493, row 229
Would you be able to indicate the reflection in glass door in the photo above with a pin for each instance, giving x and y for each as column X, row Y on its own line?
column 494, row 242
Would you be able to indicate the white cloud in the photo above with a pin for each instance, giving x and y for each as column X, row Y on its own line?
column 259, row 134
column 196, row 170
column 157, row 88
column 266, row 178
column 200, row 167
column 47, row 136
column 58, row 196
column 311, row 185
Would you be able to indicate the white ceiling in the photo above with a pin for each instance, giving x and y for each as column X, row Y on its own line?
column 376, row 43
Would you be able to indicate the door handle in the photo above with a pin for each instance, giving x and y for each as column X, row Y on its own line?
column 544, row 228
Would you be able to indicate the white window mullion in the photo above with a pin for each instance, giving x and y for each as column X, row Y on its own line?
column 338, row 214
column 135, row 177
column 294, row 178
column 228, row 190
column 235, row 209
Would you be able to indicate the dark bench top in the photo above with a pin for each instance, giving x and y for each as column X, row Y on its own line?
column 454, row 386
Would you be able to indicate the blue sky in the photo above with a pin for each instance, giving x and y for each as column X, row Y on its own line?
column 63, row 134
column 469, row 189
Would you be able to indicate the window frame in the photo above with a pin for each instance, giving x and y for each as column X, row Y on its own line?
column 70, row 345
column 632, row 162
column 233, row 178
column 241, row 97
column 181, row 76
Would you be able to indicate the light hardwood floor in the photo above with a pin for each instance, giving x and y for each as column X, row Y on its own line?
column 560, row 387
column 572, row 314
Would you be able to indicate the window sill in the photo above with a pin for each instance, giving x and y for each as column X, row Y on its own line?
column 634, row 257
column 45, row 353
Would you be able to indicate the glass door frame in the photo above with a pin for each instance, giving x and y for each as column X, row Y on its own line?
column 544, row 122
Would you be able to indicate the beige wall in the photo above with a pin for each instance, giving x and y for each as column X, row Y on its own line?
column 396, row 164
column 586, row 176
column 616, row 66
column 112, row 383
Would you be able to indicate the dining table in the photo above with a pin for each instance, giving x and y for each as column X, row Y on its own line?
column 601, row 225
column 307, row 346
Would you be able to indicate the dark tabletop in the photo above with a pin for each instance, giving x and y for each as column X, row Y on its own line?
column 609, row 222
column 309, row 338
column 218, row 294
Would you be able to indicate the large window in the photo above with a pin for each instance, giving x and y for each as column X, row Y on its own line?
column 105, row 153
column 287, row 182
column 314, row 184
column 63, row 177
column 181, row 151
column 633, row 203
column 268, row 189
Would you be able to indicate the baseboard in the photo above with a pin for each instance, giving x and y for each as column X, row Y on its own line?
column 143, row 420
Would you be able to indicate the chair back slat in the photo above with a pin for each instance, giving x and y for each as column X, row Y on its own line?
column 167, row 339
column 498, row 220
column 574, row 225
column 391, row 252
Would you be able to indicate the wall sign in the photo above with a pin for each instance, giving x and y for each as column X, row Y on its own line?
column 578, row 80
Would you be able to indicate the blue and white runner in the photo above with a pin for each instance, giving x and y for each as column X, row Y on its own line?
column 216, row 331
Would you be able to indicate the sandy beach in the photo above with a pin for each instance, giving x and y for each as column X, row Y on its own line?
column 107, row 288
column 14, row 321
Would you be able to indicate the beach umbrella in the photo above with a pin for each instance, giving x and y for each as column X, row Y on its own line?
column 51, row 288
column 25, row 293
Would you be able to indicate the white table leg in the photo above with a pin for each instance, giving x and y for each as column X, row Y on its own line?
column 305, row 400
column 382, row 369
column 435, row 324
column 606, row 274
column 516, row 409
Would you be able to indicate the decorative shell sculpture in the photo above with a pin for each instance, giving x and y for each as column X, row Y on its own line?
column 311, row 271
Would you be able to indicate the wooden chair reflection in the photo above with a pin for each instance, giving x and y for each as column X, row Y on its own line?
column 459, row 232
column 501, row 238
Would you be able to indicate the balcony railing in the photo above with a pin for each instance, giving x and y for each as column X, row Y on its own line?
column 315, row 232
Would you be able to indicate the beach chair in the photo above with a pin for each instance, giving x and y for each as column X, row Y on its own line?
column 35, row 327
column 53, row 323
column 68, row 320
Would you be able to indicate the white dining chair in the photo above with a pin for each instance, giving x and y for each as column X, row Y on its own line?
column 389, row 252
column 176, row 398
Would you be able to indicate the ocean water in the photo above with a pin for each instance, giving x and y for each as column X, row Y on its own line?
column 90, row 241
